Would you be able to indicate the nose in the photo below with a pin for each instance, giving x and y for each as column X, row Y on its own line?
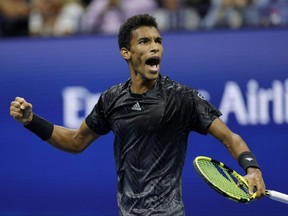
column 155, row 47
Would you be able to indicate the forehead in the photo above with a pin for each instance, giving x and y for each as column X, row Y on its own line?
column 145, row 32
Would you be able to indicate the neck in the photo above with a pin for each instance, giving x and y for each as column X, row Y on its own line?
column 141, row 86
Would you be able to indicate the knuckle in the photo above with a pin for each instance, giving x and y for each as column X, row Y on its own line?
column 21, row 100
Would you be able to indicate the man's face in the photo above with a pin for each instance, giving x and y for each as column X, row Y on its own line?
column 146, row 52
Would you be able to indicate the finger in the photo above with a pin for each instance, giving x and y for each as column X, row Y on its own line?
column 25, row 106
column 17, row 106
column 20, row 100
column 251, row 185
column 260, row 186
column 20, row 108
column 16, row 115
column 260, row 189
column 251, row 189
column 15, row 103
column 14, row 106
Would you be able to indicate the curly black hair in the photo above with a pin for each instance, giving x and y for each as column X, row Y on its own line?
column 134, row 22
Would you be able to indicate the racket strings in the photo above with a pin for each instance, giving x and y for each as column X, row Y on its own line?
column 223, row 179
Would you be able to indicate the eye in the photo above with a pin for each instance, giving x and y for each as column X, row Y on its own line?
column 144, row 41
column 159, row 41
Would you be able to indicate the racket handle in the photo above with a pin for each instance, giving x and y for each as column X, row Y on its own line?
column 277, row 196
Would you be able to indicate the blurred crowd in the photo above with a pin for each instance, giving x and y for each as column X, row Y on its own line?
column 44, row 18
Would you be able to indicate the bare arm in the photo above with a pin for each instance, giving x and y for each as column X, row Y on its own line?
column 74, row 141
column 69, row 140
column 236, row 145
column 233, row 142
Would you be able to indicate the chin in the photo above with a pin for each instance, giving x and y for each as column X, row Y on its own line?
column 153, row 76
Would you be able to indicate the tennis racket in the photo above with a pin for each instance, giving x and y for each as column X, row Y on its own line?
column 228, row 182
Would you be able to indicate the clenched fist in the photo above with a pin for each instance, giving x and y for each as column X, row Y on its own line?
column 21, row 110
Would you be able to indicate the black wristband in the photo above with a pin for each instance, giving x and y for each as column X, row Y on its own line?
column 41, row 127
column 247, row 159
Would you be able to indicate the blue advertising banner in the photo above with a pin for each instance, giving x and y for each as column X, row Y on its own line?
column 243, row 73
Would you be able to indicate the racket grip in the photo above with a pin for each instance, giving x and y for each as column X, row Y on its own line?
column 277, row 196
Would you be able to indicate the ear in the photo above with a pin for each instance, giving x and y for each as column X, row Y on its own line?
column 125, row 53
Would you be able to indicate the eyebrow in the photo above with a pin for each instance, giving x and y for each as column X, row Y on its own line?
column 149, row 38
column 158, row 38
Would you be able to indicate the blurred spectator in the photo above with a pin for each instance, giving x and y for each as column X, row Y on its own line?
column 252, row 13
column 181, row 15
column 230, row 14
column 197, row 10
column 85, row 3
column 14, row 17
column 70, row 17
column 169, row 15
column 106, row 16
column 55, row 17
column 201, row 6
column 275, row 14
column 235, row 14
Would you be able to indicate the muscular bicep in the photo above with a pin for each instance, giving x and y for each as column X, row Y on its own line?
column 219, row 130
column 232, row 141
column 84, row 135
column 72, row 140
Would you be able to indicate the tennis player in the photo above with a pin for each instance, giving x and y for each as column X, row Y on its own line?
column 151, row 117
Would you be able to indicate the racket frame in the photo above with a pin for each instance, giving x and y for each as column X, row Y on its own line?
column 241, row 180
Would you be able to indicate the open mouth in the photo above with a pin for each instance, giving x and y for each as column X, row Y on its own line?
column 153, row 64
column 153, row 61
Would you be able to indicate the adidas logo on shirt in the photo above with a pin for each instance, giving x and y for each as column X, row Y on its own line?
column 136, row 106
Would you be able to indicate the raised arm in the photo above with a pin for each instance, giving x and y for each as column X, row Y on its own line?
column 239, row 150
column 69, row 140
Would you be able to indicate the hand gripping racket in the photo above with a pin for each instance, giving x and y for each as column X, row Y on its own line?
column 228, row 182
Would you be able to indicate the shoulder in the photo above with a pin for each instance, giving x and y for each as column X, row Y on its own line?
column 115, row 91
column 175, row 86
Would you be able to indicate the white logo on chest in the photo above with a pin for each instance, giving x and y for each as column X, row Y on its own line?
column 136, row 106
